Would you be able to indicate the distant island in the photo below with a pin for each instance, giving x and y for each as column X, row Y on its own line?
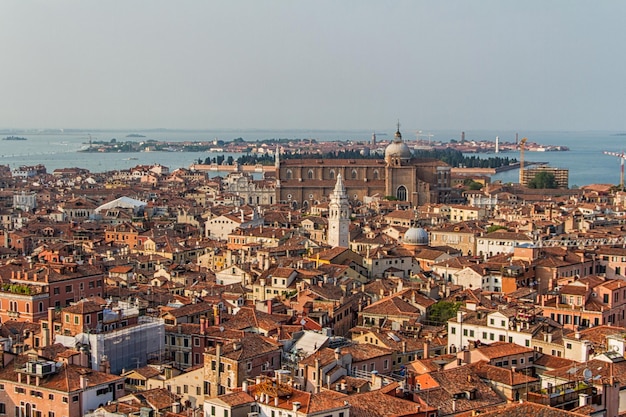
column 14, row 138
column 135, row 135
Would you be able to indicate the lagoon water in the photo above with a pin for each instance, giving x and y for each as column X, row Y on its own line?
column 585, row 160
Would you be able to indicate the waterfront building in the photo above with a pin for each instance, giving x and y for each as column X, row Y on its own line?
column 561, row 175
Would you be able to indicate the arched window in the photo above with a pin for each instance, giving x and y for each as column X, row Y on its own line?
column 376, row 174
column 401, row 193
column 354, row 174
column 332, row 174
column 289, row 174
column 310, row 174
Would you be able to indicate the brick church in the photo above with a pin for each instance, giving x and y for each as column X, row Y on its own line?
column 306, row 182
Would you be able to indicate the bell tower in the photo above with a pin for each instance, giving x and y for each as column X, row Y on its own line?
column 338, row 216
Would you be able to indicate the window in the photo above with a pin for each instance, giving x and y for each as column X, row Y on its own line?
column 568, row 346
column 75, row 399
column 75, row 319
column 453, row 330
column 68, row 288
column 401, row 193
column 57, row 291
column 212, row 410
column 3, row 408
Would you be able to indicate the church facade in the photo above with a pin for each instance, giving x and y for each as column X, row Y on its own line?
column 306, row 182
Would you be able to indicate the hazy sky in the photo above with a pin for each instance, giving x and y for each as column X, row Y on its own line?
column 534, row 65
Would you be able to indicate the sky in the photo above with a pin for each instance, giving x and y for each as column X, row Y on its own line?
column 328, row 65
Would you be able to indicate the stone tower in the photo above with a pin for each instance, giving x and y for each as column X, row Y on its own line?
column 338, row 216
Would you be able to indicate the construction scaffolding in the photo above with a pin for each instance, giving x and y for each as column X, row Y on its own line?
column 128, row 347
column 124, row 348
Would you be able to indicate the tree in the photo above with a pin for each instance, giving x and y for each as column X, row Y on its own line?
column 543, row 179
column 441, row 311
column 494, row 227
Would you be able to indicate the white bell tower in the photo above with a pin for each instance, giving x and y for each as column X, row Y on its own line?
column 338, row 216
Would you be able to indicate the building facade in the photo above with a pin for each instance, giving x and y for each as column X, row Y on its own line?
column 307, row 182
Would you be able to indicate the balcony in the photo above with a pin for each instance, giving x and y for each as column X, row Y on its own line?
column 564, row 396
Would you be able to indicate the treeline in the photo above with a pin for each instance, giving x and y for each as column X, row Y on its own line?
column 452, row 157
column 456, row 159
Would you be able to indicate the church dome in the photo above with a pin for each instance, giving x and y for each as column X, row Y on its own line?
column 415, row 236
column 398, row 149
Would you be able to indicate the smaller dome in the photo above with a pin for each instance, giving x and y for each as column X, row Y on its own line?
column 416, row 236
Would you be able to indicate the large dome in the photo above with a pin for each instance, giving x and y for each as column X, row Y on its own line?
column 415, row 236
column 397, row 148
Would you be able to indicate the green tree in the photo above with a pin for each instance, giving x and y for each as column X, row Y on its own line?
column 441, row 311
column 543, row 179
column 494, row 227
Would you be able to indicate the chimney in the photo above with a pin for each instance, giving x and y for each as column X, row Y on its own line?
column 376, row 382
column 269, row 307
column 216, row 314
column 83, row 382
column 202, row 325
column 426, row 348
column 244, row 386
column 318, row 377
column 583, row 400
column 176, row 408
column 404, row 347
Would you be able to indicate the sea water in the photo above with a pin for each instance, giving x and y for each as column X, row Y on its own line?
column 585, row 160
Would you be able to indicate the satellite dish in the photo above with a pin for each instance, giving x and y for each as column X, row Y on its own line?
column 587, row 374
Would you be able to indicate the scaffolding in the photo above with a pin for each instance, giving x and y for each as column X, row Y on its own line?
column 127, row 347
